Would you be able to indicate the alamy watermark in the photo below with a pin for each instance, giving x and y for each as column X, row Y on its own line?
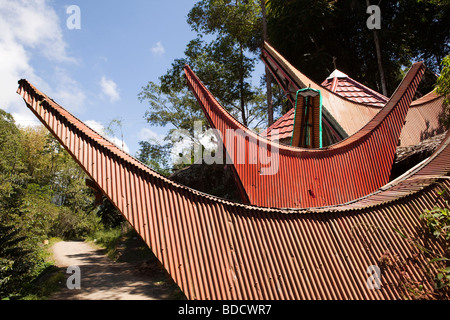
column 374, row 281
column 74, row 281
column 73, row 22
column 241, row 147
column 374, row 21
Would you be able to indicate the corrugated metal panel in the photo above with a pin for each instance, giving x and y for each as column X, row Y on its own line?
column 422, row 120
column 217, row 249
column 348, row 170
column 421, row 123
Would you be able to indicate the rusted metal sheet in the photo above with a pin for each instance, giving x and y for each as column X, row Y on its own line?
column 422, row 120
column 421, row 123
column 217, row 249
column 301, row 178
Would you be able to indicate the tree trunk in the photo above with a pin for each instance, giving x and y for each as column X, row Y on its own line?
column 268, row 74
column 241, row 85
column 379, row 61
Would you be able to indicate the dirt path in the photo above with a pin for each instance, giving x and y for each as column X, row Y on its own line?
column 104, row 279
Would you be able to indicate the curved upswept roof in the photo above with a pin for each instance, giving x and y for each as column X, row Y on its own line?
column 344, row 115
column 422, row 121
column 218, row 249
column 301, row 178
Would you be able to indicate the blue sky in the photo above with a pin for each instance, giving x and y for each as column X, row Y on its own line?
column 95, row 72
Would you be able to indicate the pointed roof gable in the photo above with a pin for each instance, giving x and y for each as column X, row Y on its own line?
column 337, row 74
column 422, row 120
column 351, row 89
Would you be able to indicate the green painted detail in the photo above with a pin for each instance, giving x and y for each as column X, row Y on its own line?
column 306, row 106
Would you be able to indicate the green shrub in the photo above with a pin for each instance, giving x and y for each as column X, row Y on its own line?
column 75, row 225
column 108, row 239
column 438, row 221
column 17, row 263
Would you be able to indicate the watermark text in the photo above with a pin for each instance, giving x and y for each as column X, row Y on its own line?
column 73, row 22
column 74, row 281
column 374, row 21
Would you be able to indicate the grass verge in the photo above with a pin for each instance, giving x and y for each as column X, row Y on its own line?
column 48, row 277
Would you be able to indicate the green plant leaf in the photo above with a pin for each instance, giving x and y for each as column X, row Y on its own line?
column 401, row 234
column 439, row 259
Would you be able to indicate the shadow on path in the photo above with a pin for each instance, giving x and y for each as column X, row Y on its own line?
column 104, row 279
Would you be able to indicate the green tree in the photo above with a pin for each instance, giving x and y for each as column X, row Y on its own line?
column 223, row 55
column 12, row 176
column 16, row 262
column 437, row 221
column 237, row 28
column 156, row 156
column 109, row 215
column 49, row 165
column 313, row 34
column 268, row 76
column 42, row 194
column 43, row 189
column 443, row 88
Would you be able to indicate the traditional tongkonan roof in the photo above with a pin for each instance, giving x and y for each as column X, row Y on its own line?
column 302, row 178
column 218, row 249
column 343, row 119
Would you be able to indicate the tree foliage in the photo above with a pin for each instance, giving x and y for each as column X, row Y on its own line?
column 223, row 55
column 443, row 88
column 42, row 195
column 437, row 221
column 16, row 262
column 156, row 156
column 311, row 34
column 109, row 215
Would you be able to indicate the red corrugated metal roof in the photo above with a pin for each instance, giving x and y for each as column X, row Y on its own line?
column 421, row 123
column 217, row 249
column 422, row 120
column 345, row 171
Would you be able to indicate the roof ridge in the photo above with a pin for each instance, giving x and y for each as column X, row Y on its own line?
column 444, row 146
column 372, row 136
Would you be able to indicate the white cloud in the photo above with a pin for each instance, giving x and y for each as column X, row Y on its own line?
column 146, row 134
column 96, row 126
column 68, row 92
column 25, row 118
column 33, row 24
column 101, row 129
column 109, row 88
column 14, row 65
column 29, row 29
column 158, row 49
column 120, row 143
